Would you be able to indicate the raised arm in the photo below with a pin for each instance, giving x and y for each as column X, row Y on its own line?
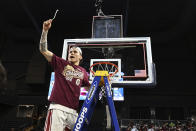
column 43, row 46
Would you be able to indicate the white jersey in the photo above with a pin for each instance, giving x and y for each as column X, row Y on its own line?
column 134, row 129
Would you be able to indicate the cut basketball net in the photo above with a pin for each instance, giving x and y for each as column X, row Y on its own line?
column 110, row 68
column 55, row 14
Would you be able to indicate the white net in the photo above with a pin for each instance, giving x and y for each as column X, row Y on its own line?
column 112, row 66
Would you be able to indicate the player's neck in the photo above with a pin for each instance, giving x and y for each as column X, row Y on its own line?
column 75, row 63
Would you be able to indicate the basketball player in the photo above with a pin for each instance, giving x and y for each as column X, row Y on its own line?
column 69, row 77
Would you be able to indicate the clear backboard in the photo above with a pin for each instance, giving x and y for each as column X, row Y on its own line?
column 132, row 55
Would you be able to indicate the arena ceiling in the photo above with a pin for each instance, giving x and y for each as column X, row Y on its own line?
column 140, row 17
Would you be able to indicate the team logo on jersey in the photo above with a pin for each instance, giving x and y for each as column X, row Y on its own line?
column 69, row 73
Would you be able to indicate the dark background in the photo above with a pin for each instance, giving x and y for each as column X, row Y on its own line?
column 170, row 24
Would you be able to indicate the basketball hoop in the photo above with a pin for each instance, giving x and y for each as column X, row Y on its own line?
column 104, row 66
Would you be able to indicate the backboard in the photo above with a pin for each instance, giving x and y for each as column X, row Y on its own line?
column 137, row 67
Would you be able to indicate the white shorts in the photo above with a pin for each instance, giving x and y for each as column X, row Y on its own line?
column 60, row 118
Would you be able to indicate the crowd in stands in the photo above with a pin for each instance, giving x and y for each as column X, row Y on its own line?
column 161, row 125
column 23, row 124
column 133, row 125
column 36, row 121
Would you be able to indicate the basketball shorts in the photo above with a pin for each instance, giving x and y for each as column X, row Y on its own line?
column 60, row 118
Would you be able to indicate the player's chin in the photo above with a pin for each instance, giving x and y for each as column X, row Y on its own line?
column 72, row 60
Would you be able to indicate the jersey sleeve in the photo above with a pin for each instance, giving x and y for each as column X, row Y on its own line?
column 57, row 62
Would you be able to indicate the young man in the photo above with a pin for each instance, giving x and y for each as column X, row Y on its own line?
column 69, row 77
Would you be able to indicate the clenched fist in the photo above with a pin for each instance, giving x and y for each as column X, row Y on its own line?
column 47, row 25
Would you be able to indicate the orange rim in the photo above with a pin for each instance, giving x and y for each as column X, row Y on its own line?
column 107, row 63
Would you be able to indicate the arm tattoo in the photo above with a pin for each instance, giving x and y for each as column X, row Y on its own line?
column 43, row 42
column 44, row 37
column 43, row 46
